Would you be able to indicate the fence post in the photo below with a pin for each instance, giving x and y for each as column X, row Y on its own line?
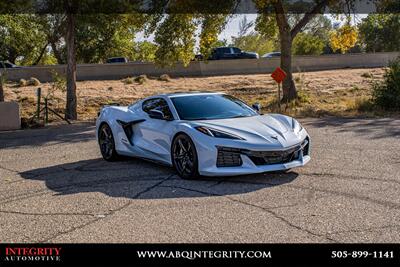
column 39, row 95
column 46, row 111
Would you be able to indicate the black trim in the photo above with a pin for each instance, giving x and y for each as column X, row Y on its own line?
column 230, row 157
column 128, row 129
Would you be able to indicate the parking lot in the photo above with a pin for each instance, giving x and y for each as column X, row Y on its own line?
column 54, row 187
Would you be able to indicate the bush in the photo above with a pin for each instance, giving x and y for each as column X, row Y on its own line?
column 128, row 80
column 386, row 94
column 33, row 82
column 22, row 83
column 141, row 79
column 367, row 75
column 165, row 78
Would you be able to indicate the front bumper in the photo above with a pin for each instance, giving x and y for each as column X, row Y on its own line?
column 248, row 163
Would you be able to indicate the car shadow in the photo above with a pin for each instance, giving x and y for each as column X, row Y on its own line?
column 376, row 128
column 139, row 179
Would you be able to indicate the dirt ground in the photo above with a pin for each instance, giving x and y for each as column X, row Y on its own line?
column 337, row 92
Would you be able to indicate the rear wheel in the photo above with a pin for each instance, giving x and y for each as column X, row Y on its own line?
column 107, row 144
column 184, row 157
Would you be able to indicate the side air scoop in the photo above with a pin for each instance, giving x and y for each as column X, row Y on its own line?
column 127, row 126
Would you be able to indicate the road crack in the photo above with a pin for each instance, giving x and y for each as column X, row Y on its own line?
column 269, row 211
column 136, row 196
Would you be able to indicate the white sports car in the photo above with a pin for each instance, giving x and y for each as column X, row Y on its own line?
column 210, row 134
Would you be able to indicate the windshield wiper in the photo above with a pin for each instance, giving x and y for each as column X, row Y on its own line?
column 239, row 116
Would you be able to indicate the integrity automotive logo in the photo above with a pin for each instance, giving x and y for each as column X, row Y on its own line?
column 32, row 254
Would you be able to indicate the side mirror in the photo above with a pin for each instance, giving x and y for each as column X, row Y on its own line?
column 156, row 114
column 159, row 115
column 256, row 107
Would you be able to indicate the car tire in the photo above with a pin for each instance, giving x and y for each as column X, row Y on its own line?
column 184, row 157
column 107, row 143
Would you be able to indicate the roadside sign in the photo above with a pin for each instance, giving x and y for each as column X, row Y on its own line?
column 279, row 75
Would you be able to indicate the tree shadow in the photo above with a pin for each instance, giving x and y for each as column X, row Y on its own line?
column 372, row 128
column 56, row 134
column 139, row 179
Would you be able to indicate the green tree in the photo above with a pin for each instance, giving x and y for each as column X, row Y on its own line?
column 175, row 38
column 21, row 39
column 144, row 51
column 254, row 42
column 175, row 32
column 376, row 28
column 100, row 36
column 308, row 44
column 211, row 26
column 275, row 18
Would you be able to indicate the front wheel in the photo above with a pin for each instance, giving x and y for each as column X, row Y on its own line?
column 184, row 157
column 107, row 144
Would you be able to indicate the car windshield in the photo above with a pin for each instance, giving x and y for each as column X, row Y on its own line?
column 211, row 107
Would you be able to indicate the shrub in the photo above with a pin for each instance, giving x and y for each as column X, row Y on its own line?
column 59, row 81
column 128, row 80
column 367, row 75
column 303, row 97
column 386, row 94
column 33, row 82
column 22, row 83
column 141, row 79
column 165, row 78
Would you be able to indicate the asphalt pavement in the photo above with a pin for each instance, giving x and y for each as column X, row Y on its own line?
column 54, row 187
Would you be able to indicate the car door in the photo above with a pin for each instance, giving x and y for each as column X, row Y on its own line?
column 154, row 135
column 227, row 53
column 236, row 53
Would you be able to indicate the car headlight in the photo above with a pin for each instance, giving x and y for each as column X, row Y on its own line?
column 296, row 126
column 217, row 133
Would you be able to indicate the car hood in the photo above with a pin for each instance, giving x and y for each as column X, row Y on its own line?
column 273, row 130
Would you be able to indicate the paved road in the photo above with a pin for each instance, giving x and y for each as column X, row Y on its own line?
column 55, row 188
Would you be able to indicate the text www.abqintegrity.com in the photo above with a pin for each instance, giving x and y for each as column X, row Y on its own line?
column 204, row 254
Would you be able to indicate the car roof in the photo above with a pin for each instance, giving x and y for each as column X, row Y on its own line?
column 179, row 94
column 226, row 47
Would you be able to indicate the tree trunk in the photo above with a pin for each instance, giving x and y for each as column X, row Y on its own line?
column 289, row 87
column 57, row 53
column 70, row 110
column 1, row 87
column 41, row 55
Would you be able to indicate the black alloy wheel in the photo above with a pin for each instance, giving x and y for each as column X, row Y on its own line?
column 184, row 157
column 107, row 144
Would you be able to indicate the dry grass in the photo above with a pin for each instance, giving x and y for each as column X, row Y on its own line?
column 337, row 92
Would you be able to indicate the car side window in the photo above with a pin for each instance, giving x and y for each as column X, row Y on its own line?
column 157, row 104
column 226, row 50
column 236, row 50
